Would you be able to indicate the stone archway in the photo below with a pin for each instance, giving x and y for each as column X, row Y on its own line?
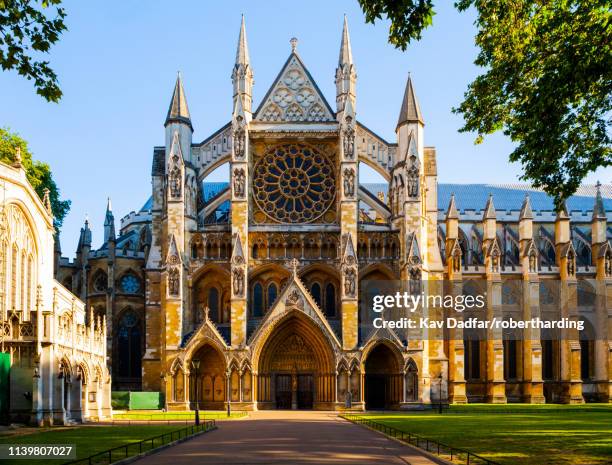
column 210, row 381
column 296, row 367
column 383, row 378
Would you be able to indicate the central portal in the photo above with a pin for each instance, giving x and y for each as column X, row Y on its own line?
column 296, row 368
column 294, row 391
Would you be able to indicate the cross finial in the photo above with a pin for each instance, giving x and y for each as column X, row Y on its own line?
column 293, row 43
column 294, row 264
column 206, row 311
column 598, row 185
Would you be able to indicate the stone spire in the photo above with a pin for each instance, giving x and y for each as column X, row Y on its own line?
column 599, row 212
column 242, row 52
column 178, row 112
column 489, row 211
column 346, row 56
column 526, row 212
column 346, row 78
column 109, row 223
column 451, row 212
column 410, row 111
column 242, row 74
column 85, row 236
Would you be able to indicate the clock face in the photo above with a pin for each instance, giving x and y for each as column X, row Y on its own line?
column 130, row 284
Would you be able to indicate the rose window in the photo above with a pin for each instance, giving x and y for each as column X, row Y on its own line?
column 293, row 184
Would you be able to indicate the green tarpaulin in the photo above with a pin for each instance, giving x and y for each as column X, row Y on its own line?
column 134, row 400
column 5, row 365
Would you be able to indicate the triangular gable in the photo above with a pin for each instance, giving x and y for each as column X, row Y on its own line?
column 411, row 148
column 207, row 332
column 413, row 248
column 176, row 153
column 294, row 297
column 349, row 251
column 379, row 334
column 494, row 250
column 294, row 97
column 530, row 249
column 173, row 257
column 455, row 249
column 237, row 253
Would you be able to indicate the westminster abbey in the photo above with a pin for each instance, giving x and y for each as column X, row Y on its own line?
column 259, row 278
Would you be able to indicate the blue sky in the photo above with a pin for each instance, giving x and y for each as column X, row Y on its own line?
column 117, row 65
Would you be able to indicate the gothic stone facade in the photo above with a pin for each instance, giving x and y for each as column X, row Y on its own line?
column 58, row 372
column 259, row 278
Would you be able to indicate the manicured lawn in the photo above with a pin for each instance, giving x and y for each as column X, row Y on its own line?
column 155, row 415
column 88, row 439
column 517, row 434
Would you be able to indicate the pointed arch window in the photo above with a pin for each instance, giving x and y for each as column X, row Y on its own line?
column 472, row 359
column 30, row 282
column 548, row 348
column 315, row 290
column 213, row 303
column 13, row 275
column 3, row 257
column 24, row 281
column 129, row 345
column 272, row 293
column 258, row 297
column 330, row 300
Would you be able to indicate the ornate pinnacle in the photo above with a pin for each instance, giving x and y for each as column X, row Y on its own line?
column 294, row 264
column 18, row 163
column 47, row 200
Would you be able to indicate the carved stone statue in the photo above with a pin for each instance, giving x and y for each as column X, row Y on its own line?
column 571, row 264
column 238, row 282
column 349, row 281
column 349, row 182
column 239, row 140
column 239, row 182
column 349, row 139
column 533, row 263
column 412, row 178
column 175, row 182
column 173, row 282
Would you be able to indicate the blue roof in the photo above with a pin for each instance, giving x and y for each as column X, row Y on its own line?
column 508, row 196
column 148, row 205
column 468, row 196
column 211, row 189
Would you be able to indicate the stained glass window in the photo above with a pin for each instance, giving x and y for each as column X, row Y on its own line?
column 294, row 184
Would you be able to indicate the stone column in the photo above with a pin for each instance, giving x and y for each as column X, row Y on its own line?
column 239, row 182
column 602, row 259
column 496, row 385
column 348, row 186
column 36, row 418
column 571, row 381
column 533, row 385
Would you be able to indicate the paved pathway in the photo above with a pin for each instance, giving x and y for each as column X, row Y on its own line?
column 282, row 437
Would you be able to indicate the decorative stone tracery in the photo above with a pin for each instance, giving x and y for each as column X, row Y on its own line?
column 294, row 183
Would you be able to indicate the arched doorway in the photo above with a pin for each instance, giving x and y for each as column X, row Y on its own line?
column 295, row 369
column 128, row 344
column 210, row 379
column 383, row 378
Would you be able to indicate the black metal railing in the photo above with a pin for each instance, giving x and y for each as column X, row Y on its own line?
column 115, row 454
column 454, row 454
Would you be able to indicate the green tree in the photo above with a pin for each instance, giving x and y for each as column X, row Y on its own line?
column 547, row 81
column 28, row 29
column 38, row 173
